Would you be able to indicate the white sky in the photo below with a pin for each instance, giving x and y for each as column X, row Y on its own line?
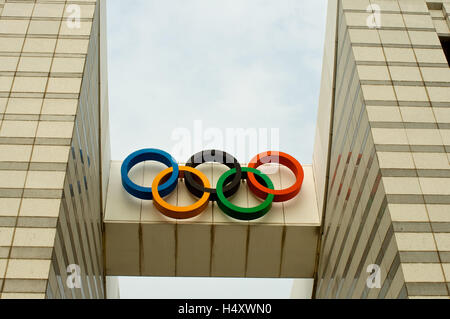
column 231, row 64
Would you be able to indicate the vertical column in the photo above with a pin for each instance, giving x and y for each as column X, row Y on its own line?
column 402, row 95
column 392, row 214
column 17, row 134
column 76, row 82
column 42, row 66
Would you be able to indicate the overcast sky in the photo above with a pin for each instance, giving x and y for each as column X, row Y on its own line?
column 231, row 64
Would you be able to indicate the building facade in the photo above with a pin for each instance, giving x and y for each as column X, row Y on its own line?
column 375, row 204
column 53, row 98
column 384, row 140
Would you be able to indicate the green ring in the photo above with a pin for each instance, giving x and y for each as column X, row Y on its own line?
column 242, row 213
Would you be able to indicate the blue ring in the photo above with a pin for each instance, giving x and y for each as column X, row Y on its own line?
column 149, row 155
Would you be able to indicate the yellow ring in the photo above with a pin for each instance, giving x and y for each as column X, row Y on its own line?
column 180, row 212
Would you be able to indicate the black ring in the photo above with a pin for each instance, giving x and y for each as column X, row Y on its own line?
column 213, row 156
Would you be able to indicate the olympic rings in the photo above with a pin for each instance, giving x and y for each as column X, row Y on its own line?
column 242, row 213
column 283, row 159
column 180, row 212
column 214, row 156
column 198, row 184
column 149, row 155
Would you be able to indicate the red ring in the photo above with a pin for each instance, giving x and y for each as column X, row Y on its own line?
column 283, row 159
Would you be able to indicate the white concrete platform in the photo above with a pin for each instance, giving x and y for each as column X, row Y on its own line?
column 140, row 241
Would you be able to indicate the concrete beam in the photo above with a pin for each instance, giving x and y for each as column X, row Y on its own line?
column 140, row 241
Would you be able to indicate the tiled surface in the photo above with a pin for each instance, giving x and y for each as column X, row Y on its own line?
column 281, row 244
column 388, row 187
column 47, row 218
column 387, row 197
